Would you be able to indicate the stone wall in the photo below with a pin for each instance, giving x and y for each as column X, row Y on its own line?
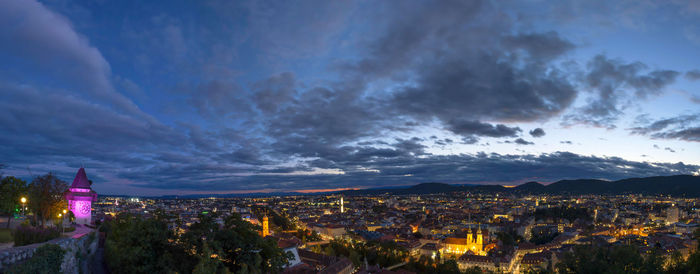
column 78, row 249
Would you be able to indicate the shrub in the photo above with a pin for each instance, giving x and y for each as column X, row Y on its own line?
column 5, row 235
column 46, row 259
column 70, row 229
column 26, row 235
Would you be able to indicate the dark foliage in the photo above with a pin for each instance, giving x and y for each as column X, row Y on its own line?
column 383, row 254
column 46, row 197
column 138, row 245
column 46, row 259
column 11, row 190
column 26, row 235
column 609, row 259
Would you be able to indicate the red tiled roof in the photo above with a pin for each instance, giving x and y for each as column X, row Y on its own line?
column 456, row 241
column 337, row 266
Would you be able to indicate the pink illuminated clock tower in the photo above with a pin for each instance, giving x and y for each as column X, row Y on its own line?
column 80, row 197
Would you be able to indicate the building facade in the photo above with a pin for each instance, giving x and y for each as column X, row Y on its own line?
column 80, row 197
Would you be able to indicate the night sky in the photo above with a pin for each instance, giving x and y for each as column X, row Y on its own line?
column 184, row 97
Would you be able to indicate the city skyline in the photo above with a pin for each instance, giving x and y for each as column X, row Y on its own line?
column 221, row 97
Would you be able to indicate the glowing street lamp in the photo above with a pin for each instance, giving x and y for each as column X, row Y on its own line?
column 59, row 216
column 64, row 219
column 23, row 201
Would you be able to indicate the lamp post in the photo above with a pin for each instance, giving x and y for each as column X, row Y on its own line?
column 63, row 229
column 64, row 219
column 23, row 201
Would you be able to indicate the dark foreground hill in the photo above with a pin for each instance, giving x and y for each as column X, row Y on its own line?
column 679, row 185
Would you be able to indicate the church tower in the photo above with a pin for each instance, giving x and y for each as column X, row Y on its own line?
column 479, row 238
column 265, row 226
column 80, row 197
column 470, row 239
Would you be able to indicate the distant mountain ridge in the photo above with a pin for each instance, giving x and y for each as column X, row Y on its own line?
column 677, row 185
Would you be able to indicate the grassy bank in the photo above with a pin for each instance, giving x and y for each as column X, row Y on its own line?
column 5, row 235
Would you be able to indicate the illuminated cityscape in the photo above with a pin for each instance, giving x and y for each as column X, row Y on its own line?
column 498, row 232
column 350, row 136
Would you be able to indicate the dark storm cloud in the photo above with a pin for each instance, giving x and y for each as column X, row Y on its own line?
column 463, row 66
column 476, row 128
column 693, row 75
column 464, row 62
column 609, row 81
column 538, row 132
column 695, row 99
column 540, row 46
column 315, row 121
column 412, row 145
column 521, row 141
column 566, row 142
column 47, row 119
column 485, row 88
column 272, row 94
column 65, row 130
column 37, row 35
column 477, row 168
column 688, row 134
column 444, row 142
column 684, row 127
column 217, row 98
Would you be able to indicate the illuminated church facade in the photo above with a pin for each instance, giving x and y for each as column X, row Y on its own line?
column 470, row 244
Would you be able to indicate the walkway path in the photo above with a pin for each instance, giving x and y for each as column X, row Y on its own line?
column 6, row 245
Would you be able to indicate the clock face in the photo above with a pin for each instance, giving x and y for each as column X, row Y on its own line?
column 84, row 208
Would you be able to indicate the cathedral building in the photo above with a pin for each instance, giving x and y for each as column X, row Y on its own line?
column 471, row 244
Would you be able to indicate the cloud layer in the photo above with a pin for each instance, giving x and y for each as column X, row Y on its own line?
column 260, row 96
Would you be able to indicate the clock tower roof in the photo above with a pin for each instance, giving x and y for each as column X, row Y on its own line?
column 81, row 180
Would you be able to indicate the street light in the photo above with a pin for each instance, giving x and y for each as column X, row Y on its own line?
column 64, row 219
column 23, row 201
column 63, row 229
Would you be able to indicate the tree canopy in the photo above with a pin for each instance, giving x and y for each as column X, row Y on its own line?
column 146, row 245
column 46, row 197
column 11, row 190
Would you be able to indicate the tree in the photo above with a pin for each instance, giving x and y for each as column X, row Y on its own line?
column 11, row 190
column 209, row 263
column 615, row 259
column 449, row 266
column 137, row 245
column 237, row 243
column 46, row 197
